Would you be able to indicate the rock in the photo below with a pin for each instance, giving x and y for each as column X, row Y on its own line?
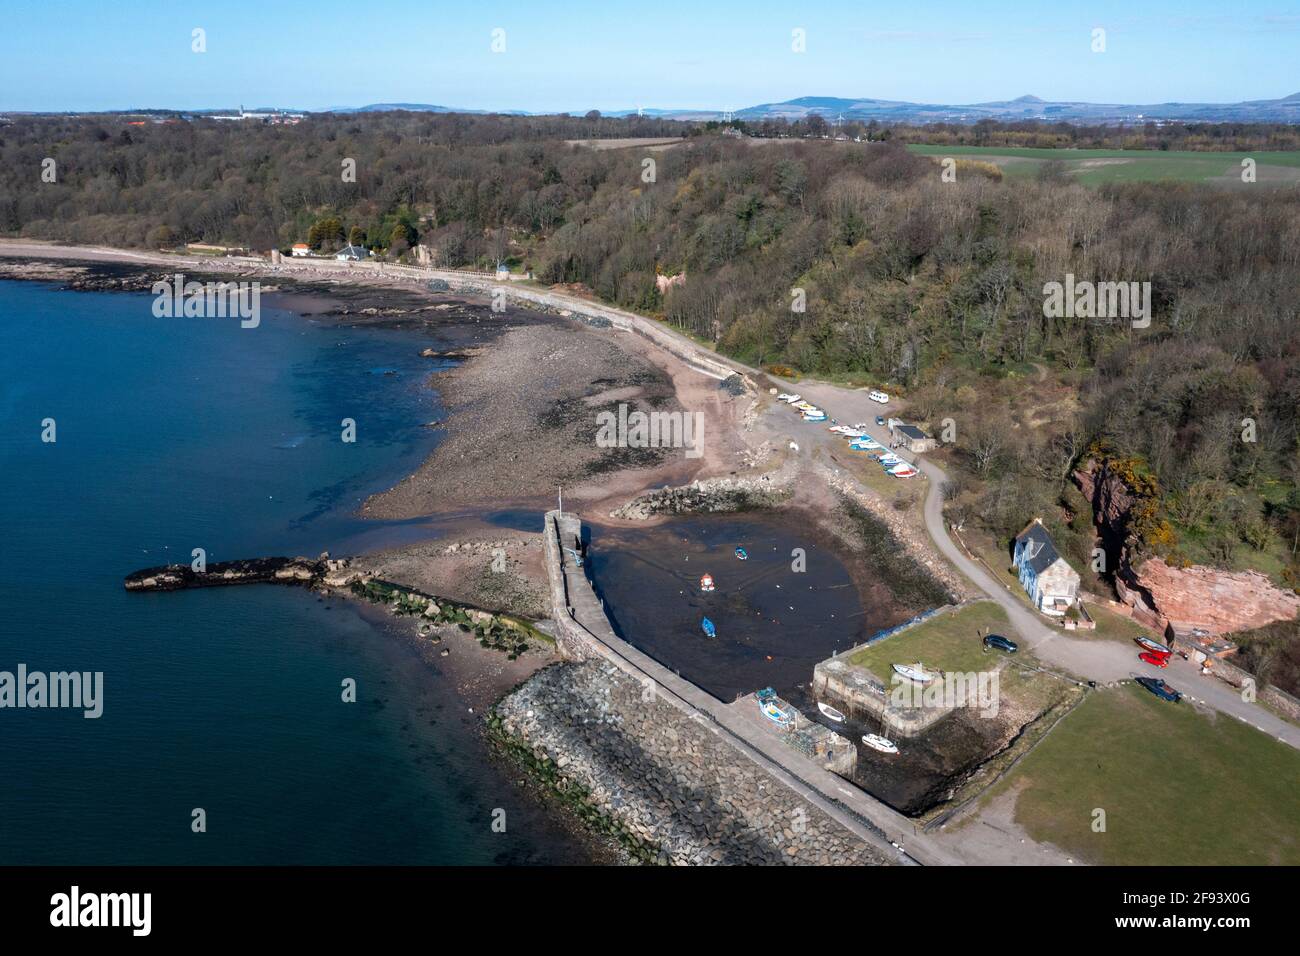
column 1218, row 601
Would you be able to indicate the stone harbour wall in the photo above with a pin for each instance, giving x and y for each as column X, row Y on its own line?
column 666, row 780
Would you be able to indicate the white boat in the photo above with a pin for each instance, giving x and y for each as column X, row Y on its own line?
column 864, row 444
column 883, row 744
column 803, row 406
column 814, row 416
column 915, row 672
column 775, row 714
column 890, row 461
column 788, row 398
column 830, row 712
column 903, row 471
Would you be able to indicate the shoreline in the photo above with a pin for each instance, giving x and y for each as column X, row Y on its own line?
column 641, row 370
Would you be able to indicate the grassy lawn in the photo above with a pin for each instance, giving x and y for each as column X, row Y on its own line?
column 1114, row 627
column 1179, row 788
column 948, row 641
column 1096, row 166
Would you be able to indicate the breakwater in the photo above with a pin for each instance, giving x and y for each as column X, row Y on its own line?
column 671, row 783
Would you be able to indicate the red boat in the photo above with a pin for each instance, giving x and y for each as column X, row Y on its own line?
column 1155, row 660
column 1153, row 647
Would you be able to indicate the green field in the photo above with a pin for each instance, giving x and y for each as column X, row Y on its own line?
column 1096, row 166
column 949, row 641
column 1179, row 788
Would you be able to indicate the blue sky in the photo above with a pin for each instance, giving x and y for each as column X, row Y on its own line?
column 577, row 55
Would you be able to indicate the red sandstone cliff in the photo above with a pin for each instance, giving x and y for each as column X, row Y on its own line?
column 1218, row 601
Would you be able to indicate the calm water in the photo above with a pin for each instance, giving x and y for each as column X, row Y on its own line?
column 174, row 434
column 774, row 623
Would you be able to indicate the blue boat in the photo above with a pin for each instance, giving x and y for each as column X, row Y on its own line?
column 709, row 629
column 742, row 554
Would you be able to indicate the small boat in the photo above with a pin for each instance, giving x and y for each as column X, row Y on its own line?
column 915, row 672
column 774, row 713
column 706, row 582
column 883, row 744
column 890, row 460
column 708, row 628
column 830, row 712
column 742, row 554
column 788, row 397
column 903, row 470
column 1153, row 646
column 803, row 406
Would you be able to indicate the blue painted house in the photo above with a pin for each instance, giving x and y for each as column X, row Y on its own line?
column 1049, row 581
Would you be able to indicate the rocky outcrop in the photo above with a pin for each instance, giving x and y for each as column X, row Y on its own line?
column 674, row 789
column 706, row 497
column 1218, row 601
column 175, row 577
column 1111, row 503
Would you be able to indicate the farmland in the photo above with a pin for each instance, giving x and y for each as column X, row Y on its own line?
column 1094, row 167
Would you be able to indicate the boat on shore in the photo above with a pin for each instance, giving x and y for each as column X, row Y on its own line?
column 830, row 713
column 883, row 744
column 1154, row 647
column 773, row 711
column 706, row 582
column 742, row 554
column 915, row 672
column 707, row 626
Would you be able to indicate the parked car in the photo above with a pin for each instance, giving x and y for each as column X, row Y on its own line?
column 1000, row 643
column 1160, row 689
column 880, row 420
column 1155, row 660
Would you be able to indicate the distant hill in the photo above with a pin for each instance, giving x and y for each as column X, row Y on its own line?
column 1028, row 107
column 1285, row 110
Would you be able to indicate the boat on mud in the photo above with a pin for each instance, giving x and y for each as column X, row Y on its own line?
column 830, row 713
column 883, row 744
column 707, row 626
column 706, row 582
column 915, row 672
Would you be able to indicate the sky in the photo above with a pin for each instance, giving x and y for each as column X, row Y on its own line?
column 613, row 54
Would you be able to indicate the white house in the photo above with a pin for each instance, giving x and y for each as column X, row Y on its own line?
column 301, row 249
column 1049, row 581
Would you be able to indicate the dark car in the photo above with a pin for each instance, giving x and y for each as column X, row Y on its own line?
column 1160, row 689
column 998, row 642
column 880, row 420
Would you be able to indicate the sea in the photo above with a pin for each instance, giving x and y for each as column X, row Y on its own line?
column 128, row 441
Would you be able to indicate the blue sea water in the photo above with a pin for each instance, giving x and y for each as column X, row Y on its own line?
column 175, row 434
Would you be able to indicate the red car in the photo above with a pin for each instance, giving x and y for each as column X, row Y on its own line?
column 1156, row 660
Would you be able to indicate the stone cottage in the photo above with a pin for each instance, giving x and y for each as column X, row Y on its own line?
column 1049, row 581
